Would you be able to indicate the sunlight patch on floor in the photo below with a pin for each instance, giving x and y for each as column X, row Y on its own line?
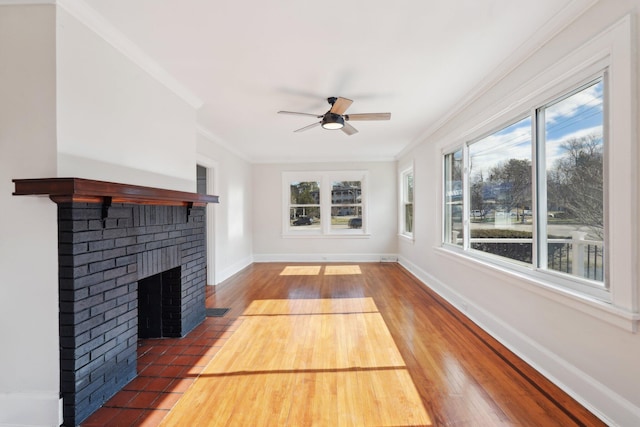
column 305, row 362
column 301, row 270
column 333, row 270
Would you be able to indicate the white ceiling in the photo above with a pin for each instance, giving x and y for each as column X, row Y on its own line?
column 247, row 59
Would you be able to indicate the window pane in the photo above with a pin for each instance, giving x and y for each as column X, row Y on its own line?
column 346, row 207
column 304, row 204
column 307, row 216
column 575, row 200
column 453, row 198
column 408, row 218
column 500, row 193
column 407, row 203
column 305, row 193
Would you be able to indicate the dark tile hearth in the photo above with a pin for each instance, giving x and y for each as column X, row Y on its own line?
column 166, row 369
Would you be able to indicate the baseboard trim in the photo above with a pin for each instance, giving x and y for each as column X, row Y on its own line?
column 325, row 258
column 603, row 402
column 30, row 409
column 222, row 275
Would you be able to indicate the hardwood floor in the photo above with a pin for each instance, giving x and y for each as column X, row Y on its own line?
column 363, row 344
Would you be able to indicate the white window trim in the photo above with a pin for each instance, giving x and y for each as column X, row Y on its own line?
column 612, row 50
column 326, row 179
column 404, row 172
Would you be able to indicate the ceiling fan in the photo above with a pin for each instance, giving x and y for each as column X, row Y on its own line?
column 336, row 119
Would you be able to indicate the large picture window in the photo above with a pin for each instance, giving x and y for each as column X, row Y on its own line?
column 325, row 203
column 531, row 193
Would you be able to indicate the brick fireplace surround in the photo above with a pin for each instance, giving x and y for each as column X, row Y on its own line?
column 111, row 237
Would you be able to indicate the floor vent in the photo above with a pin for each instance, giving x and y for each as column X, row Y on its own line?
column 216, row 312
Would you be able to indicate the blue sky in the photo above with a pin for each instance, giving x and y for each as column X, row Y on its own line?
column 575, row 116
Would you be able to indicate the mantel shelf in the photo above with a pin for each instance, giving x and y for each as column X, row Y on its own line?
column 66, row 190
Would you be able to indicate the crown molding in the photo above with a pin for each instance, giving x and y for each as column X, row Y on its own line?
column 25, row 2
column 104, row 29
column 210, row 136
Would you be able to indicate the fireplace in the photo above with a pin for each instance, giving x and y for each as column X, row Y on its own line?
column 132, row 262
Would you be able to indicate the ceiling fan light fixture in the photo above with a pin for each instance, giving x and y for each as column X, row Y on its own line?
column 332, row 121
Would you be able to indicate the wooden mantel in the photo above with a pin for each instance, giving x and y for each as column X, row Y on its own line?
column 66, row 190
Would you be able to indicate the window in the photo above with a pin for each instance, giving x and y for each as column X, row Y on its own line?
column 406, row 203
column 531, row 193
column 325, row 203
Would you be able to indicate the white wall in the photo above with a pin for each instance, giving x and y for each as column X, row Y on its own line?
column 115, row 121
column 29, row 368
column 269, row 245
column 232, row 217
column 587, row 354
column 71, row 104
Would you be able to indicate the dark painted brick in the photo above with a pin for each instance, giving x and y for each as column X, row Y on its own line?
column 88, row 258
column 126, row 260
column 100, row 288
column 95, row 224
column 114, row 253
column 86, row 326
column 153, row 245
column 103, row 327
column 125, row 241
column 134, row 249
column 87, row 236
column 101, row 308
column 102, row 266
column 120, row 212
column 114, row 273
column 89, row 280
column 115, row 293
column 100, row 245
column 114, row 233
column 122, row 280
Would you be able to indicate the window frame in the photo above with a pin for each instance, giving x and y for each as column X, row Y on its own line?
column 403, row 195
column 609, row 53
column 326, row 180
column 535, row 269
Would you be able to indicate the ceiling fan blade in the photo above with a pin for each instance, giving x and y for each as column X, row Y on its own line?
column 348, row 129
column 368, row 116
column 308, row 127
column 340, row 105
column 300, row 114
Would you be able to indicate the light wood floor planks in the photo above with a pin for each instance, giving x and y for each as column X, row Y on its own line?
column 305, row 362
column 361, row 345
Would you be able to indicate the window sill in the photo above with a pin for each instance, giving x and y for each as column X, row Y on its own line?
column 586, row 304
column 407, row 238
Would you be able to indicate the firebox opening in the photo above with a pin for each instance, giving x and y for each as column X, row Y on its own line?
column 159, row 305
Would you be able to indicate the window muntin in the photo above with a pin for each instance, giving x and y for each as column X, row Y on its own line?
column 500, row 216
column 406, row 194
column 453, row 206
column 564, row 233
column 574, row 151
